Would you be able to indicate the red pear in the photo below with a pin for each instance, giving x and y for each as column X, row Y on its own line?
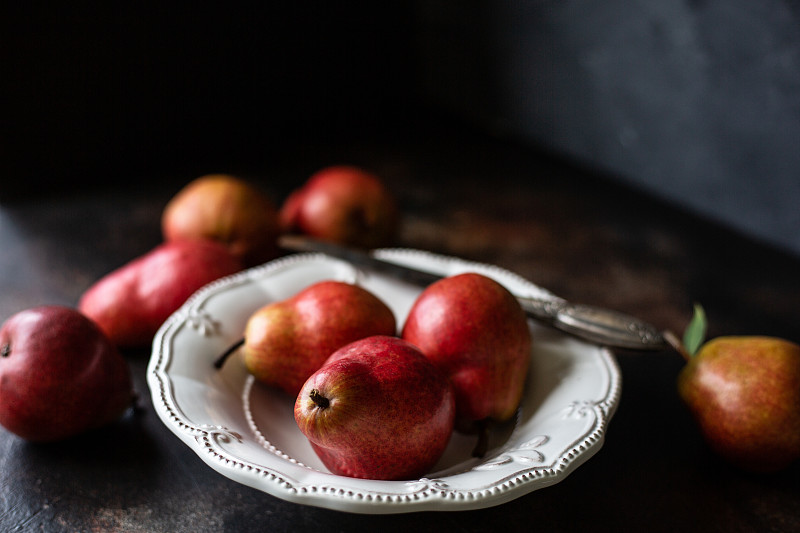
column 474, row 330
column 287, row 341
column 744, row 393
column 59, row 375
column 132, row 302
column 377, row 409
column 343, row 204
column 227, row 209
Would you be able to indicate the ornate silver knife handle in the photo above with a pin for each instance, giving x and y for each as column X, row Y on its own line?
column 595, row 324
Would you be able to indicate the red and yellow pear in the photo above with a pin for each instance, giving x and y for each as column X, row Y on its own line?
column 227, row 209
column 744, row 394
column 288, row 340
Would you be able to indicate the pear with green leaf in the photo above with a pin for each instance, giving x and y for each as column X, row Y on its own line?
column 744, row 393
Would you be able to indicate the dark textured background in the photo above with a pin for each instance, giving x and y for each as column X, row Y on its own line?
column 696, row 101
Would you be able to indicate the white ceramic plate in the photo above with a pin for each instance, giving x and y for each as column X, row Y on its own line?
column 246, row 431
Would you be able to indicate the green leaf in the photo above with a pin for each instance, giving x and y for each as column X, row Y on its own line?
column 695, row 332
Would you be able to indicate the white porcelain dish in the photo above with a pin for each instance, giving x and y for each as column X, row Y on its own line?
column 246, row 431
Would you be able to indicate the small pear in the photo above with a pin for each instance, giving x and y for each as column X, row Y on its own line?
column 744, row 393
column 226, row 209
column 287, row 341
column 344, row 204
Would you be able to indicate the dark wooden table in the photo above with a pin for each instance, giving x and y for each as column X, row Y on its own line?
column 563, row 226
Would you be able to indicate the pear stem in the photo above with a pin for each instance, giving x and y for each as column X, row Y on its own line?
column 317, row 397
column 5, row 351
column 676, row 343
column 224, row 356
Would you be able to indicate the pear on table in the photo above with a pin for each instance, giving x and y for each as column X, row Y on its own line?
column 226, row 209
column 60, row 376
column 344, row 204
column 744, row 393
column 132, row 302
